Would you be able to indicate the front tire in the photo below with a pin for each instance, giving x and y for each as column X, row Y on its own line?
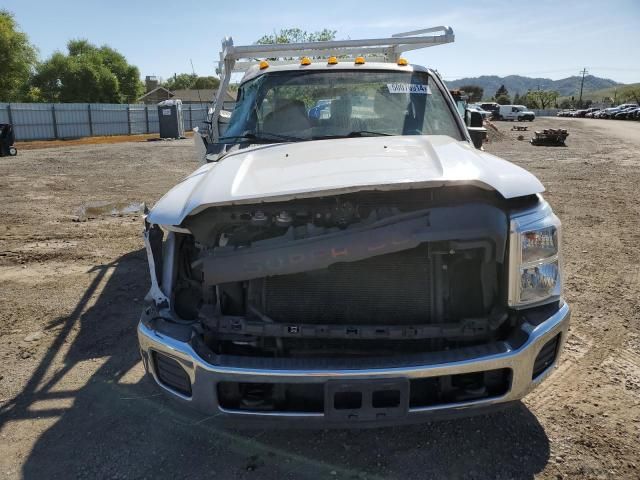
column 13, row 151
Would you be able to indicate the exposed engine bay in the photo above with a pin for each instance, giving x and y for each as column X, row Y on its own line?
column 361, row 274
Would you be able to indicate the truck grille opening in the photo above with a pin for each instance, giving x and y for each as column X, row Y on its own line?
column 463, row 387
column 546, row 357
column 378, row 306
column 269, row 397
column 363, row 274
column 171, row 374
column 310, row 397
column 422, row 285
column 393, row 288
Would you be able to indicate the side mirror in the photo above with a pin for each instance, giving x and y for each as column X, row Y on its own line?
column 474, row 123
column 472, row 119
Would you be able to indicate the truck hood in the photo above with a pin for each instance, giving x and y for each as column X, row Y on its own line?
column 280, row 172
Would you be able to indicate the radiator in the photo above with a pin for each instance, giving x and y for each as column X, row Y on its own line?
column 383, row 290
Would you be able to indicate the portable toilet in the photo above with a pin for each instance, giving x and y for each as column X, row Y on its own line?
column 170, row 119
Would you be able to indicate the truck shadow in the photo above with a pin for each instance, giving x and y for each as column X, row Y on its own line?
column 117, row 424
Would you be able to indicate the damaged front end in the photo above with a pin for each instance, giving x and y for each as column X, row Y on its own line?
column 279, row 308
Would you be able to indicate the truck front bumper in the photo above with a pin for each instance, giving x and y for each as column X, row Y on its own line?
column 523, row 357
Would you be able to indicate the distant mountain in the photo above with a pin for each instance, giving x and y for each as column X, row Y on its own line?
column 517, row 84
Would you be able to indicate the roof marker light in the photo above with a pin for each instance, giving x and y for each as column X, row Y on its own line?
column 332, row 61
column 359, row 61
column 305, row 61
column 403, row 62
column 264, row 64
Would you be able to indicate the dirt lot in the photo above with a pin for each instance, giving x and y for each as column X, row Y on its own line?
column 37, row 144
column 74, row 402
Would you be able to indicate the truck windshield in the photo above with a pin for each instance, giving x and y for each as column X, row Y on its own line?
column 313, row 105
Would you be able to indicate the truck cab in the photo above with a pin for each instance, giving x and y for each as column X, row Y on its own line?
column 363, row 266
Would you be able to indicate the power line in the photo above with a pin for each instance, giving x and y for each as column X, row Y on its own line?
column 583, row 72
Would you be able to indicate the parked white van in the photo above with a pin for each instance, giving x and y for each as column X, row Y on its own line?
column 515, row 112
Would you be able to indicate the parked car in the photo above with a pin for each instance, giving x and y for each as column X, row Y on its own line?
column 480, row 110
column 613, row 111
column 584, row 112
column 607, row 112
column 515, row 112
column 566, row 113
column 374, row 268
column 491, row 107
column 591, row 112
column 622, row 114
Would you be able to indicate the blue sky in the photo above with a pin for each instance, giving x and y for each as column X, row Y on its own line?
column 537, row 38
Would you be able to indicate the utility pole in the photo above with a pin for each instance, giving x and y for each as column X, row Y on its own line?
column 583, row 72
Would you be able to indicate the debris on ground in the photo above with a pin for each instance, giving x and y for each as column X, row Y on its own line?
column 550, row 137
column 34, row 337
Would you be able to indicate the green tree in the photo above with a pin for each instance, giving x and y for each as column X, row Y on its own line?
column 517, row 99
column 88, row 74
column 206, row 82
column 503, row 99
column 17, row 59
column 185, row 81
column 474, row 91
column 541, row 99
column 565, row 104
column 501, row 92
column 297, row 35
column 632, row 92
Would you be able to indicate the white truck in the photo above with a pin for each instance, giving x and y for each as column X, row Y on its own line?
column 368, row 266
column 515, row 112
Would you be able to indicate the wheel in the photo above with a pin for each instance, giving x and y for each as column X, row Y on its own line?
column 13, row 151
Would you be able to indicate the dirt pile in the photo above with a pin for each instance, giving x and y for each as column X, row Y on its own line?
column 493, row 132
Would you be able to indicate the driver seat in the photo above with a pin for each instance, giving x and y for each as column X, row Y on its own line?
column 290, row 116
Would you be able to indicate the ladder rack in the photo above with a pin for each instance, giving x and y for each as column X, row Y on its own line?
column 240, row 58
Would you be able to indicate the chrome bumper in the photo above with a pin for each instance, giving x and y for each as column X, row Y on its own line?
column 204, row 376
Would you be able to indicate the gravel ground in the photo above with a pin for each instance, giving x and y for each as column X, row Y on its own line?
column 74, row 402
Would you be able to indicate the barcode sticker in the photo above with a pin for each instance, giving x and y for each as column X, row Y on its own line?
column 409, row 88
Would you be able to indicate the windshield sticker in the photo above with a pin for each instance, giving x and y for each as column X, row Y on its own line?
column 409, row 88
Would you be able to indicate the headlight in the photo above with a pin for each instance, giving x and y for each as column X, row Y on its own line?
column 535, row 270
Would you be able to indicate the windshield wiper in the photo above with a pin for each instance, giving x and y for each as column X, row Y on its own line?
column 355, row 133
column 264, row 137
column 363, row 133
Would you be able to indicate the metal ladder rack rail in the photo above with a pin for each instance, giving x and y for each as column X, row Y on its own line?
column 388, row 49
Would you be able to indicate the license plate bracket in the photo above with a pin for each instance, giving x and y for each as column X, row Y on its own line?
column 366, row 400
